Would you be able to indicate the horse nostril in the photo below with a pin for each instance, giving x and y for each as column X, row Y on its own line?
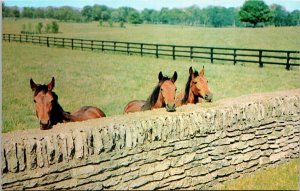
column 171, row 107
column 45, row 124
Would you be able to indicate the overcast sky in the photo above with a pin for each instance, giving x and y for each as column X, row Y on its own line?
column 290, row 5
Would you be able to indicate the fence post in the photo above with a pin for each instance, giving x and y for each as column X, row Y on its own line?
column 20, row 38
column 191, row 53
column 127, row 48
column 26, row 38
column 81, row 45
column 72, row 43
column 8, row 37
column 115, row 46
column 211, row 55
column 157, row 51
column 288, row 61
column 47, row 41
column 234, row 56
column 173, row 50
column 32, row 39
column 102, row 46
column 63, row 42
column 142, row 49
column 260, row 59
column 39, row 40
column 92, row 43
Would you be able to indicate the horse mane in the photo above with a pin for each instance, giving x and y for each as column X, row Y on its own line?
column 187, row 88
column 57, row 114
column 150, row 102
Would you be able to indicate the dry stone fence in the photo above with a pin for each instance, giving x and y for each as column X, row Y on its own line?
column 194, row 148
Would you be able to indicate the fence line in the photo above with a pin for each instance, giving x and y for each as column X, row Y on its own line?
column 261, row 56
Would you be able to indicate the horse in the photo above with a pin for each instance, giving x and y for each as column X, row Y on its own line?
column 49, row 111
column 196, row 89
column 163, row 95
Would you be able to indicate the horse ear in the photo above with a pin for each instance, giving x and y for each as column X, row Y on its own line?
column 33, row 85
column 202, row 71
column 191, row 70
column 51, row 84
column 174, row 78
column 160, row 76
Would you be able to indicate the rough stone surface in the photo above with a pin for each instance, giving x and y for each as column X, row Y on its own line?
column 193, row 148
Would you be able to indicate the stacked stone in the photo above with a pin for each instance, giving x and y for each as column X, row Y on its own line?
column 189, row 150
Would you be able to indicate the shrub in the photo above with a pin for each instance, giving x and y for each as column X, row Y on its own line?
column 110, row 23
column 48, row 28
column 38, row 28
column 55, row 27
column 122, row 24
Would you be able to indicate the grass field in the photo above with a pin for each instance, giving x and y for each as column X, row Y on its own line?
column 111, row 80
column 286, row 38
column 283, row 177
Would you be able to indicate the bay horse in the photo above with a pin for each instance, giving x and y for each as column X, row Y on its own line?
column 196, row 89
column 163, row 95
column 49, row 111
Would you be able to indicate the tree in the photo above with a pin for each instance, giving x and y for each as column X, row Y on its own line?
column 54, row 27
column 280, row 15
column 38, row 28
column 254, row 12
column 135, row 18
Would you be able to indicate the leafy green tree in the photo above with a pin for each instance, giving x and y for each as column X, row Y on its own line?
column 38, row 28
column 280, row 15
column 294, row 18
column 254, row 12
column 135, row 18
column 48, row 28
column 54, row 27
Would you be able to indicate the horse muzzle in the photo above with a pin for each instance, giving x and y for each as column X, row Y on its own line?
column 45, row 125
column 208, row 97
column 171, row 107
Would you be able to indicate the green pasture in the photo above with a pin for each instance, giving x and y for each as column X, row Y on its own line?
column 110, row 81
column 283, row 177
column 286, row 38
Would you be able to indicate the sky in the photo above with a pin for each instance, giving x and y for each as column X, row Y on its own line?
column 290, row 5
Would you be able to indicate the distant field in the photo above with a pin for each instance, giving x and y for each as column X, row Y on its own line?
column 262, row 38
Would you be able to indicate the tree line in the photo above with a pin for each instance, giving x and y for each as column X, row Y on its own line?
column 211, row 16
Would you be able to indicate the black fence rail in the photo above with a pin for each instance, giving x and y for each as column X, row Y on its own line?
column 287, row 58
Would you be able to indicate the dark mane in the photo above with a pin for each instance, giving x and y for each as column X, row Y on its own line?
column 187, row 88
column 154, row 95
column 57, row 115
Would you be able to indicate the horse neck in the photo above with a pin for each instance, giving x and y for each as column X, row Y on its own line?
column 153, row 99
column 189, row 96
column 58, row 115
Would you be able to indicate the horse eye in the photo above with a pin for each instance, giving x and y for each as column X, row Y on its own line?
column 207, row 81
column 176, row 89
column 194, row 82
column 34, row 101
column 161, row 89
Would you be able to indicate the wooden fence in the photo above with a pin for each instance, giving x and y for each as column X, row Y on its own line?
column 261, row 56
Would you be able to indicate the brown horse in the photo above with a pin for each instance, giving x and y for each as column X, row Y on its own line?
column 49, row 112
column 196, row 89
column 163, row 95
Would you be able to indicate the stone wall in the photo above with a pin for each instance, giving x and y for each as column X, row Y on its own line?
column 198, row 146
